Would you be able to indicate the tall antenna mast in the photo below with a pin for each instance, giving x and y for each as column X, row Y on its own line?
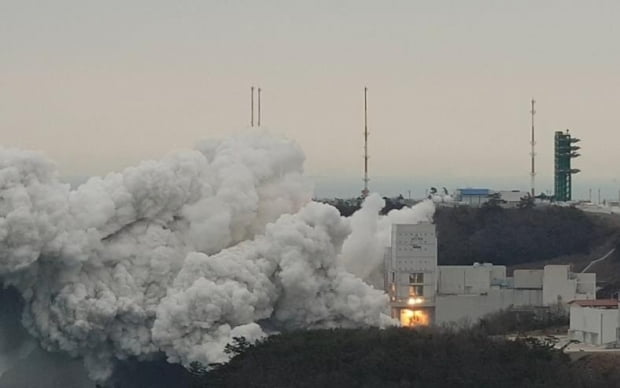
column 533, row 153
column 259, row 106
column 365, row 191
column 252, row 106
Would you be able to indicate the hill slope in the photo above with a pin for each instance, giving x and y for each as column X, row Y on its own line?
column 398, row 358
column 515, row 236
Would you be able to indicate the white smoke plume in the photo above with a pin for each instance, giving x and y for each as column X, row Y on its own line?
column 181, row 255
column 363, row 250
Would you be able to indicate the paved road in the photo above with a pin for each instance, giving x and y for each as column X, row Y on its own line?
column 598, row 260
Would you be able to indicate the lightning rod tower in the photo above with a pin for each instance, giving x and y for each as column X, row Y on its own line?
column 365, row 191
column 252, row 106
column 259, row 106
column 533, row 153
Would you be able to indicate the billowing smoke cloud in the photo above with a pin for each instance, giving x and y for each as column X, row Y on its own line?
column 363, row 250
column 181, row 255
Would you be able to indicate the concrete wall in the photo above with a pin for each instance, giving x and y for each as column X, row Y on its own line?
column 586, row 286
column 498, row 274
column 468, row 279
column 528, row 278
column 557, row 286
column 593, row 326
column 561, row 285
column 470, row 308
column 461, row 279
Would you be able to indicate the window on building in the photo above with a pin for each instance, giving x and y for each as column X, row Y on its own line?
column 416, row 278
column 416, row 291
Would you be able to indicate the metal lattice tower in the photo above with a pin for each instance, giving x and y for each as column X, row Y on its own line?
column 365, row 190
column 564, row 152
column 259, row 90
column 252, row 106
column 533, row 153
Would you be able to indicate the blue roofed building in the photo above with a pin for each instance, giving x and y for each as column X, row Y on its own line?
column 473, row 196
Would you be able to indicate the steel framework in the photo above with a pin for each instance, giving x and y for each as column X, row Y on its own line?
column 565, row 151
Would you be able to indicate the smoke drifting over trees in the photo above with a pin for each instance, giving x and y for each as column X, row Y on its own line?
column 183, row 254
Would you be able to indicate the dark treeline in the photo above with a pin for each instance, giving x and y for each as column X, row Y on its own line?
column 513, row 236
column 522, row 321
column 507, row 236
column 400, row 357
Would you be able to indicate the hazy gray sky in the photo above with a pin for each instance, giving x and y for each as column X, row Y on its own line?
column 99, row 85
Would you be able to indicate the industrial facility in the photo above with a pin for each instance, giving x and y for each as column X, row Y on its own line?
column 424, row 293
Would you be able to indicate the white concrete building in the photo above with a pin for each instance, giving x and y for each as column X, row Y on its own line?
column 594, row 322
column 472, row 196
column 470, row 279
column 528, row 279
column 422, row 293
column 477, row 197
column 562, row 286
column 467, row 293
column 512, row 198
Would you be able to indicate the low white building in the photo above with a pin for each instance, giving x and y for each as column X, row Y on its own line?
column 594, row 322
column 470, row 279
column 467, row 293
column 512, row 198
column 423, row 293
column 562, row 286
column 474, row 197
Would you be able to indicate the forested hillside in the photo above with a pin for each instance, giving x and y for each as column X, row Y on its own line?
column 510, row 236
column 514, row 236
column 400, row 357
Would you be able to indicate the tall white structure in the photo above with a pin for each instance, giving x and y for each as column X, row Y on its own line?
column 411, row 273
